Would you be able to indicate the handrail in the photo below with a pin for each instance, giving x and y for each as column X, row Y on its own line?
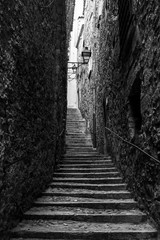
column 61, row 133
column 133, row 145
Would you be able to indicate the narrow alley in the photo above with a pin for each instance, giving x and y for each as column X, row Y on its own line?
column 80, row 119
column 87, row 198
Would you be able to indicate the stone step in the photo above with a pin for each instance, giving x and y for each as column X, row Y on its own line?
column 80, row 145
column 77, row 147
column 103, row 187
column 75, row 136
column 82, row 230
column 75, row 126
column 75, row 121
column 76, row 131
column 86, row 156
column 85, row 165
column 85, row 170
column 88, row 175
column 80, row 136
column 83, row 193
column 86, row 214
column 83, row 143
column 98, row 157
column 75, row 161
column 64, row 201
column 80, row 155
column 78, row 142
column 109, row 180
column 80, row 149
column 71, row 118
column 76, row 154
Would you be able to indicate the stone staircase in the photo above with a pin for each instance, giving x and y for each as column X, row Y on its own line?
column 87, row 198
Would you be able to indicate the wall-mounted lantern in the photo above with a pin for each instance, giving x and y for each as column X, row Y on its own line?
column 86, row 54
column 73, row 66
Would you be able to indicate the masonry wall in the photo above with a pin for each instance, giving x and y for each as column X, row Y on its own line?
column 33, row 99
column 89, row 77
column 120, row 82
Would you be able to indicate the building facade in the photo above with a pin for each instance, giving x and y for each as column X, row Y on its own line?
column 119, row 94
column 72, row 100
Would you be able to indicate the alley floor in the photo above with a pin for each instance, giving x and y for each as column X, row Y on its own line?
column 87, row 198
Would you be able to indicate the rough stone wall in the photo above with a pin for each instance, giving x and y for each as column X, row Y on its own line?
column 33, row 80
column 120, row 77
column 70, row 4
column 116, row 80
column 89, row 73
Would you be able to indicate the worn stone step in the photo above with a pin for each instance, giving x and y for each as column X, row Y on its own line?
column 86, row 158
column 85, row 165
column 89, row 156
column 75, row 126
column 78, row 118
column 91, row 165
column 80, row 149
column 70, row 121
column 106, row 180
column 76, row 154
column 86, row 214
column 74, row 229
column 81, row 145
column 78, row 140
column 76, row 131
column 77, row 137
column 85, row 161
column 103, row 187
column 87, row 193
column 78, row 124
column 76, row 202
column 85, row 170
column 88, row 175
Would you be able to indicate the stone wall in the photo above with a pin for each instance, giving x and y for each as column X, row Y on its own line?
column 33, row 99
column 89, row 73
column 127, row 98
